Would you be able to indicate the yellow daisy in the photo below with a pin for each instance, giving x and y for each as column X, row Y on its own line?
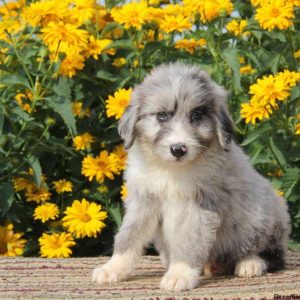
column 297, row 54
column 269, row 89
column 237, row 27
column 56, row 245
column 289, row 77
column 190, row 45
column 275, row 14
column 66, row 36
column 119, row 62
column 71, row 63
column 104, row 165
column 24, row 100
column 116, row 104
column 297, row 128
column 246, row 69
column 62, row 186
column 84, row 218
column 83, row 142
column 97, row 47
column 121, row 154
column 211, row 9
column 21, row 183
column 33, row 193
column 131, row 14
column 83, row 10
column 124, row 192
column 178, row 23
column 46, row 212
column 78, row 111
column 11, row 243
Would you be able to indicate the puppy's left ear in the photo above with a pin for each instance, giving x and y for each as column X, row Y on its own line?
column 225, row 128
column 224, row 124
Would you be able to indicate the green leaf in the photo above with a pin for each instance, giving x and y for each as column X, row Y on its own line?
column 7, row 197
column 63, row 88
column 277, row 153
column 62, row 105
column 37, row 170
column 1, row 118
column 250, row 138
column 274, row 62
column 115, row 212
column 231, row 57
column 15, row 80
column 106, row 75
column 122, row 44
column 289, row 181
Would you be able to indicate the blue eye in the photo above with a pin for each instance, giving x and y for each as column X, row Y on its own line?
column 196, row 114
column 162, row 117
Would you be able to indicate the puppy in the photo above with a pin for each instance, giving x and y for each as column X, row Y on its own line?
column 191, row 189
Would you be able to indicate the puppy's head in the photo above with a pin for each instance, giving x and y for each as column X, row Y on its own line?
column 176, row 114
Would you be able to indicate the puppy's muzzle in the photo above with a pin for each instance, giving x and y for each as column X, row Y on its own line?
column 178, row 149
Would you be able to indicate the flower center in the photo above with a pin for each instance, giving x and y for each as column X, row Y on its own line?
column 123, row 102
column 55, row 244
column 3, row 248
column 275, row 12
column 85, row 218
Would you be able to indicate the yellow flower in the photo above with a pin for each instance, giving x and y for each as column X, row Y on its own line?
column 84, row 218
column 121, row 155
column 104, row 165
column 71, row 63
column 279, row 193
column 246, row 69
column 78, row 111
column 116, row 104
column 11, row 243
column 42, row 12
column 64, row 37
column 103, row 189
column 211, row 9
column 297, row 128
column 83, row 142
column 289, row 77
column 24, row 100
column 237, row 27
column 254, row 110
column 276, row 13
column 21, row 183
column 131, row 14
column 242, row 60
column 83, row 10
column 297, row 54
column 119, row 62
column 33, row 193
column 46, row 212
column 97, row 47
column 175, row 23
column 56, row 245
column 259, row 2
column 269, row 89
column 62, row 186
column 124, row 192
column 189, row 45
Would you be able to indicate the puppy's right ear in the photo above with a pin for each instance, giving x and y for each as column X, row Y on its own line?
column 127, row 122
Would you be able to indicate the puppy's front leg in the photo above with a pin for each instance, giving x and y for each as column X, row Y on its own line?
column 190, row 241
column 139, row 224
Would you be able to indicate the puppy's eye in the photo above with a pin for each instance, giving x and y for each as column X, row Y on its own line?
column 162, row 117
column 196, row 114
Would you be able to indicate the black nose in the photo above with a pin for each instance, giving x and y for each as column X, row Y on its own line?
column 178, row 149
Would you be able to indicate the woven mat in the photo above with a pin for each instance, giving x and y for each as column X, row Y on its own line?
column 36, row 278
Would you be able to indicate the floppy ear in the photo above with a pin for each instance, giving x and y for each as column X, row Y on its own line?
column 127, row 122
column 224, row 128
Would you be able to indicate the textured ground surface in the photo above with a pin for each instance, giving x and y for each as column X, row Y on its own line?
column 36, row 278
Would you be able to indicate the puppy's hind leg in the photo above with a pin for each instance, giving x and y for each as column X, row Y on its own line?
column 251, row 266
column 161, row 247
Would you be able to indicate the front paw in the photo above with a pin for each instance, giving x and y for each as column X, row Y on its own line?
column 180, row 277
column 111, row 272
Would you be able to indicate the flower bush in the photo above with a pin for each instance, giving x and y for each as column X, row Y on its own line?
column 67, row 69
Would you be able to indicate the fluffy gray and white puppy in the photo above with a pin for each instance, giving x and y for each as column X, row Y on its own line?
column 191, row 189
